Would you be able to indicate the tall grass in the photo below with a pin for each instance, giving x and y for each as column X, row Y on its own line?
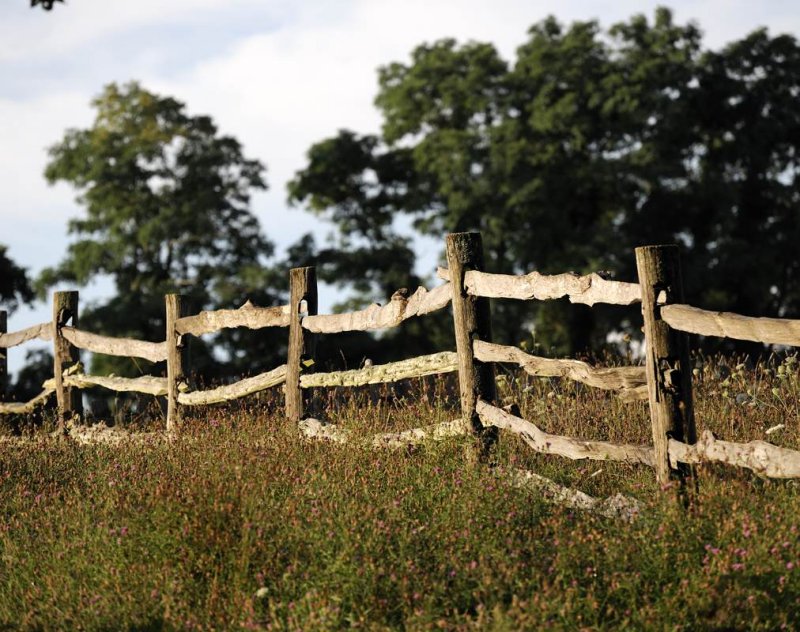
column 242, row 524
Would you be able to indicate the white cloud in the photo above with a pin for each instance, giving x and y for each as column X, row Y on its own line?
column 28, row 205
column 282, row 90
column 25, row 32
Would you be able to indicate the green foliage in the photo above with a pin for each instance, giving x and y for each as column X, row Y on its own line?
column 15, row 287
column 591, row 143
column 166, row 201
column 47, row 5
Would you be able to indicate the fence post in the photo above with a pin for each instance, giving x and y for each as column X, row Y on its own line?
column 472, row 321
column 302, row 287
column 175, row 309
column 65, row 355
column 3, row 356
column 669, row 373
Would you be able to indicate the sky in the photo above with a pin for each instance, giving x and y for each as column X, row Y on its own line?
column 278, row 75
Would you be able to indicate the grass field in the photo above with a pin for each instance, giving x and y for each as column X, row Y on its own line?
column 241, row 524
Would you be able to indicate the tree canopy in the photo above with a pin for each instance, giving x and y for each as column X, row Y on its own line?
column 47, row 5
column 590, row 143
column 166, row 209
column 15, row 287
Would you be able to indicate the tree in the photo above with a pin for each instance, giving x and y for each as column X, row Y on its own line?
column 590, row 144
column 47, row 5
column 15, row 287
column 166, row 201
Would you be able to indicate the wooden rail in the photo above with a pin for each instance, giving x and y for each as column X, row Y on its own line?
column 246, row 316
column 42, row 331
column 764, row 458
column 24, row 408
column 665, row 380
column 436, row 363
column 588, row 289
column 547, row 443
column 126, row 347
column 629, row 381
column 242, row 388
column 771, row 331
column 376, row 316
column 147, row 384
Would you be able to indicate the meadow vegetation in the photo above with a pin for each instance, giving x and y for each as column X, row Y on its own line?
column 241, row 524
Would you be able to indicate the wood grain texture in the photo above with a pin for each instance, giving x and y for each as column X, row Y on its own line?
column 312, row 428
column 471, row 322
column 669, row 373
column 3, row 356
column 302, row 343
column 443, row 362
column 23, row 408
column 761, row 457
column 65, row 356
column 588, row 289
column 229, row 392
column 564, row 446
column 629, row 381
column 774, row 331
column 42, row 331
column 617, row 506
column 175, row 309
column 376, row 316
column 146, row 384
column 126, row 347
column 416, row 436
column 247, row 315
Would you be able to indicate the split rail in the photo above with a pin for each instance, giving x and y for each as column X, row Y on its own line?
column 665, row 380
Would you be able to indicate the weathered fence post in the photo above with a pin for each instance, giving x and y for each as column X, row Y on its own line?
column 302, row 287
column 175, row 309
column 3, row 356
column 65, row 355
column 472, row 321
column 669, row 373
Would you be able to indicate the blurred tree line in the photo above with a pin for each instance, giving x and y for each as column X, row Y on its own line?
column 589, row 143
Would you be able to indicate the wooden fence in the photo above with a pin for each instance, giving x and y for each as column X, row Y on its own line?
column 665, row 380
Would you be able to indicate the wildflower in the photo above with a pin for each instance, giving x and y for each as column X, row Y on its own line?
column 262, row 592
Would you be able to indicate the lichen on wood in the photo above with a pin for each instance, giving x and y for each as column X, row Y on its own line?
column 147, row 384
column 242, row 388
column 564, row 446
column 22, row 408
column 762, row 457
column 775, row 331
column 378, row 316
column 617, row 506
column 42, row 331
column 588, row 289
column 629, row 381
column 443, row 362
column 126, row 347
column 246, row 316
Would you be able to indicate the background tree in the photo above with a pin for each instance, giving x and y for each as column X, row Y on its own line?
column 590, row 144
column 47, row 5
column 166, row 201
column 15, row 287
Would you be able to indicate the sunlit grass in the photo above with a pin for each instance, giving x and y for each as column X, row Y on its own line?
column 240, row 523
